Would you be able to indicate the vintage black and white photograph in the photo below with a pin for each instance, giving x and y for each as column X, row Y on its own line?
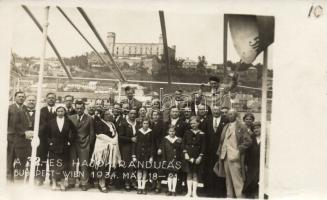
column 133, row 102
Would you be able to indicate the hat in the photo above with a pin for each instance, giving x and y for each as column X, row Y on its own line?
column 256, row 124
column 214, row 78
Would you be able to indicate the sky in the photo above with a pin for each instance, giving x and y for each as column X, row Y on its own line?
column 194, row 34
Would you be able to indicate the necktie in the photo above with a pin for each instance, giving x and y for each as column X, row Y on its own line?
column 215, row 124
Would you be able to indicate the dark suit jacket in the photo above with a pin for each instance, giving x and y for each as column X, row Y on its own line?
column 25, row 122
column 60, row 142
column 180, row 127
column 118, row 122
column 71, row 112
column 125, row 134
column 252, row 161
column 158, row 132
column 45, row 117
column 12, row 118
column 85, row 130
column 133, row 103
column 212, row 136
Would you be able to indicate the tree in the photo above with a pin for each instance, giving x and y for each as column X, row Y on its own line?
column 202, row 63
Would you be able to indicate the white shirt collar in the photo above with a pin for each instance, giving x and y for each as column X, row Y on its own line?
column 145, row 132
column 60, row 122
column 196, row 132
column 68, row 109
column 174, row 121
column 170, row 139
column 258, row 140
column 53, row 108
column 218, row 119
column 132, row 124
column 80, row 117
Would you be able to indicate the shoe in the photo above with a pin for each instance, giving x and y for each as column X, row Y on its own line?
column 139, row 191
column 103, row 189
column 144, row 191
column 39, row 183
column 62, row 187
column 54, row 187
column 188, row 195
column 70, row 186
column 169, row 193
column 173, row 194
column 157, row 190
column 134, row 184
column 127, row 188
column 84, row 188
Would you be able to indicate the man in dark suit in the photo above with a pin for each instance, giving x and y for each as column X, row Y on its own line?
column 187, row 113
column 47, row 113
column 23, row 136
column 13, row 111
column 132, row 102
column 175, row 120
column 126, row 138
column 197, row 100
column 214, row 186
column 69, row 100
column 202, row 114
column 252, row 162
column 117, row 115
column 80, row 152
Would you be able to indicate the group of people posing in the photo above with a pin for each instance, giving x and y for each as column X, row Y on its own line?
column 133, row 147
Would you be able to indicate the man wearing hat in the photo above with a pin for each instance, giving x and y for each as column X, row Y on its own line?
column 252, row 163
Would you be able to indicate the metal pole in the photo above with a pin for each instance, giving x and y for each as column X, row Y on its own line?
column 18, row 83
column 140, row 81
column 225, row 38
column 86, row 40
column 119, row 91
column 35, row 140
column 263, row 125
column 160, row 97
column 87, row 19
column 164, row 38
column 49, row 40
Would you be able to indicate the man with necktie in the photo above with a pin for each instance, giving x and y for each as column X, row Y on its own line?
column 214, row 186
column 47, row 113
column 69, row 100
column 132, row 102
column 13, row 111
column 80, row 151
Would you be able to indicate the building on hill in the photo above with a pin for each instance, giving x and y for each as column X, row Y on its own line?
column 149, row 63
column 138, row 49
column 189, row 64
